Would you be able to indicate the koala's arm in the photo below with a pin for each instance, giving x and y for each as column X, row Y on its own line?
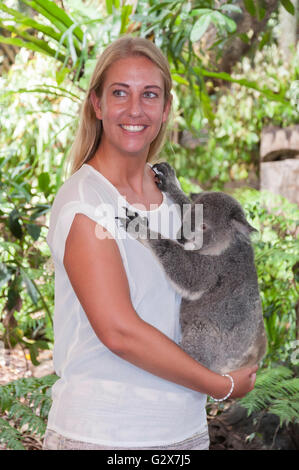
column 177, row 195
column 190, row 273
column 168, row 183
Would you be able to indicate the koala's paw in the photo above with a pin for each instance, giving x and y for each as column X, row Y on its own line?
column 134, row 224
column 165, row 174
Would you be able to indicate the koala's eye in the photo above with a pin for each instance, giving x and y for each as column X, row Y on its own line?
column 204, row 226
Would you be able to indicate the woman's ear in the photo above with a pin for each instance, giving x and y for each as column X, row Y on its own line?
column 95, row 101
column 167, row 108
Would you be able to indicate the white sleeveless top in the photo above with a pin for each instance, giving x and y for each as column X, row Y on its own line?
column 99, row 397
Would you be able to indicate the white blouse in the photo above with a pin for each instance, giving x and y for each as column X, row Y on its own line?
column 99, row 397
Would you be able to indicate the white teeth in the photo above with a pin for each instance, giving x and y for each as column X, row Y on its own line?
column 133, row 128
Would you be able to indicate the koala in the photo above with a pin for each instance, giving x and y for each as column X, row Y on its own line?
column 214, row 272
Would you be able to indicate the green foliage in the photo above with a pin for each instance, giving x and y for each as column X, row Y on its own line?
column 34, row 141
column 228, row 149
column 276, row 391
column 25, row 403
column 276, row 249
column 55, row 26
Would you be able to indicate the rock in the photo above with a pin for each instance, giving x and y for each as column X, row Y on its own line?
column 278, row 143
column 279, row 161
column 281, row 177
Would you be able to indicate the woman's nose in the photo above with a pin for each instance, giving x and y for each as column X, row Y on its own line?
column 135, row 106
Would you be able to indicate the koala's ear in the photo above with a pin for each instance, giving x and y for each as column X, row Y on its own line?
column 240, row 223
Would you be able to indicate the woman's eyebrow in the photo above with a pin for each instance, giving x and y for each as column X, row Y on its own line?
column 119, row 84
column 153, row 86
column 128, row 86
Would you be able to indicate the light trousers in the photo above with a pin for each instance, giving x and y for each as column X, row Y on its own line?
column 55, row 441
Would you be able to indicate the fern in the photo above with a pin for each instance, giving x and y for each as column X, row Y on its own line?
column 276, row 391
column 26, row 402
column 10, row 435
column 26, row 416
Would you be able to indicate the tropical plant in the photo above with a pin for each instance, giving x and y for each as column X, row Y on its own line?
column 276, row 249
column 24, row 404
column 34, row 140
column 276, row 391
column 229, row 149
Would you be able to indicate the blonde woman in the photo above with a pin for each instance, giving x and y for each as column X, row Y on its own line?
column 124, row 382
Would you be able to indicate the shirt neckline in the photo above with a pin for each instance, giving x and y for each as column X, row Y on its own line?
column 93, row 170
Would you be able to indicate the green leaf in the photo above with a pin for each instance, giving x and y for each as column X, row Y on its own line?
column 44, row 181
column 249, row 84
column 250, row 7
column 125, row 14
column 201, row 11
column 231, row 8
column 25, row 20
column 11, row 436
column 14, row 225
column 31, row 289
column 222, row 20
column 180, row 79
column 244, row 38
column 33, row 354
column 55, row 15
column 36, row 46
column 288, row 5
column 200, row 27
column 61, row 73
column 44, row 89
column 109, row 6
column 33, row 230
column 265, row 39
column 5, row 275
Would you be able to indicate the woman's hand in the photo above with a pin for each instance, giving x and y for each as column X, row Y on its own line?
column 244, row 381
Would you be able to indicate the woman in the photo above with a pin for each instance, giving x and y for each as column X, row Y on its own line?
column 124, row 381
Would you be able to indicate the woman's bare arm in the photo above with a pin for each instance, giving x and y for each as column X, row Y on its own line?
column 96, row 272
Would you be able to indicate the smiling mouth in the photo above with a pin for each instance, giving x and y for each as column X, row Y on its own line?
column 131, row 128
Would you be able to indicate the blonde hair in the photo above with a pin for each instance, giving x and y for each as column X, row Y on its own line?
column 88, row 136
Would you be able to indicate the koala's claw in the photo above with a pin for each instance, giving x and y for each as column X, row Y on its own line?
column 134, row 224
column 125, row 221
column 165, row 173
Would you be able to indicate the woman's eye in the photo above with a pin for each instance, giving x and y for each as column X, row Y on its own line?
column 150, row 94
column 119, row 93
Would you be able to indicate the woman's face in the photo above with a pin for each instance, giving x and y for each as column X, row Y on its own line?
column 131, row 106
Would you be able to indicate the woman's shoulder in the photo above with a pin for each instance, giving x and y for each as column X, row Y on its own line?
column 81, row 186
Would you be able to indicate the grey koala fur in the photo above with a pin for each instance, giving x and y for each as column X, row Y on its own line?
column 214, row 272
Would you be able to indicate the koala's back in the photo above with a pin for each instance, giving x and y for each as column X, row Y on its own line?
column 224, row 328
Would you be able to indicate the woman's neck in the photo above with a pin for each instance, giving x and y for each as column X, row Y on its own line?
column 125, row 173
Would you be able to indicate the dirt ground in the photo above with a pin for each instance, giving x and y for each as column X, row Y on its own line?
column 229, row 426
